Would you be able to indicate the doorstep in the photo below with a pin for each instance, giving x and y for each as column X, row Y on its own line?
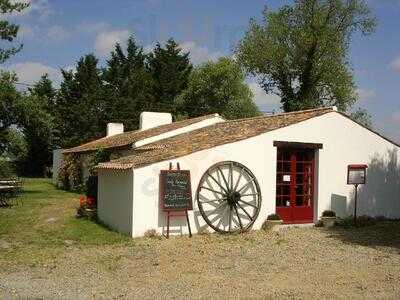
column 302, row 225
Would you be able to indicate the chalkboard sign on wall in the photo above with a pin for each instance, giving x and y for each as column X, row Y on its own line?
column 175, row 190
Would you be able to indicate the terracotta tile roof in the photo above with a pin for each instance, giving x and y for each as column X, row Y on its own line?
column 210, row 136
column 126, row 139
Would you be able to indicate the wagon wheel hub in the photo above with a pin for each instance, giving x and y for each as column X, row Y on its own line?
column 233, row 198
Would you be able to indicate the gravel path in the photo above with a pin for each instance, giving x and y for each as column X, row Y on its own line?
column 296, row 263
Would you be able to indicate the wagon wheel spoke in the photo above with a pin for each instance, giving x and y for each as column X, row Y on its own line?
column 216, row 209
column 230, row 218
column 213, row 200
column 231, row 176
column 216, row 181
column 248, row 195
column 211, row 190
column 245, row 211
column 248, row 203
column 240, row 177
column 237, row 214
column 221, row 219
column 246, row 185
column 223, row 177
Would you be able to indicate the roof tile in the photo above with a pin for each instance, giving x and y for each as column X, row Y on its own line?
column 128, row 138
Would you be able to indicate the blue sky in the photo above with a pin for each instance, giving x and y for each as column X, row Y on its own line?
column 56, row 33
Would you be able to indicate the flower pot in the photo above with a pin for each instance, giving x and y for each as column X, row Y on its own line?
column 272, row 225
column 328, row 221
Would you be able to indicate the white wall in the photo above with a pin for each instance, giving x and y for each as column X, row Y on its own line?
column 114, row 204
column 257, row 154
column 344, row 142
column 153, row 119
column 201, row 124
column 114, row 129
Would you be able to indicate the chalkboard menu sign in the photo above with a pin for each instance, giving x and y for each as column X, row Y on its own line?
column 175, row 190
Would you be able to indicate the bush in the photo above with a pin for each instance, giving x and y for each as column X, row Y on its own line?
column 328, row 214
column 70, row 173
column 274, row 217
column 6, row 169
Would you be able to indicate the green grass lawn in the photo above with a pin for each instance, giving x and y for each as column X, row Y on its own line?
column 46, row 224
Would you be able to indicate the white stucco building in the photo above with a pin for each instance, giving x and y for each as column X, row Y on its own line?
column 293, row 164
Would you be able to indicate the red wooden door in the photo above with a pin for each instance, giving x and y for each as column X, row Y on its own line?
column 295, row 185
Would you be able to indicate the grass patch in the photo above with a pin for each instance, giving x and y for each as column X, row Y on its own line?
column 45, row 225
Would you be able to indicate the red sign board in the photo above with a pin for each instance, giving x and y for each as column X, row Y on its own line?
column 356, row 174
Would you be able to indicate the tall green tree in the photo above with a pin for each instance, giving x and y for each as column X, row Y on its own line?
column 170, row 69
column 12, row 142
column 217, row 88
column 128, row 85
column 80, row 104
column 39, row 127
column 8, row 30
column 300, row 52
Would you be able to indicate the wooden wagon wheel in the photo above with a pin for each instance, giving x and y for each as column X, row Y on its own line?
column 229, row 197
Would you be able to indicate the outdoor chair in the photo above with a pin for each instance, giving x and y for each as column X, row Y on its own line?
column 10, row 190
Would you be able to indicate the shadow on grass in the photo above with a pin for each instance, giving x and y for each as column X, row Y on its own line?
column 382, row 234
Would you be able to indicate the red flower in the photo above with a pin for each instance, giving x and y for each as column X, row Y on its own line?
column 91, row 201
column 82, row 200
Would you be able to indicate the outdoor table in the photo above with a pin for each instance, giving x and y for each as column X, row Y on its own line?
column 6, row 191
column 9, row 182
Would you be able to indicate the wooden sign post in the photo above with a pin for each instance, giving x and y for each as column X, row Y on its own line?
column 356, row 174
column 176, row 194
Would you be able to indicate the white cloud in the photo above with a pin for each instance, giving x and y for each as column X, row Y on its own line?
column 58, row 33
column 30, row 72
column 199, row 54
column 365, row 94
column 44, row 33
column 395, row 64
column 106, row 40
column 261, row 98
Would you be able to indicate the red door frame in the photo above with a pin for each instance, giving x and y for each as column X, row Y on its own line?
column 297, row 214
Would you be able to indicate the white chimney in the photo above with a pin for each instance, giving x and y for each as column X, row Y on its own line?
column 153, row 119
column 114, row 128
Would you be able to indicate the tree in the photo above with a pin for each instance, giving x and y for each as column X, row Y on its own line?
column 9, row 99
column 80, row 104
column 128, row 85
column 301, row 51
column 170, row 70
column 12, row 143
column 217, row 88
column 9, row 31
column 362, row 116
column 39, row 127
